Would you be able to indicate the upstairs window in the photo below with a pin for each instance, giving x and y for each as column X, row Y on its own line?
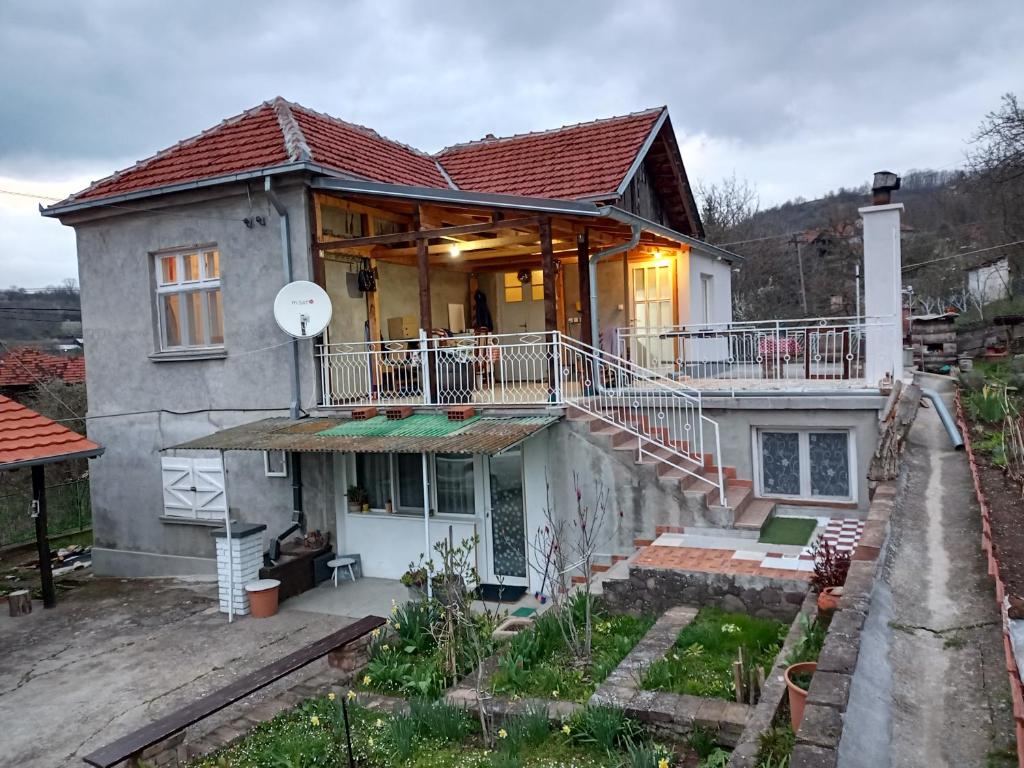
column 188, row 296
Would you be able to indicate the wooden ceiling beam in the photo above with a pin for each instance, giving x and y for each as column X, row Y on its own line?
column 465, row 245
column 427, row 234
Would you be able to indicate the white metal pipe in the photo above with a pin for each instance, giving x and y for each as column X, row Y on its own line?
column 227, row 534
column 426, row 520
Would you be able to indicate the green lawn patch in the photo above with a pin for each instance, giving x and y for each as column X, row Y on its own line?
column 700, row 662
column 438, row 735
column 788, row 530
column 537, row 663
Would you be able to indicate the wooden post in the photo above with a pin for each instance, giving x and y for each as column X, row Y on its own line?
column 423, row 273
column 19, row 603
column 547, row 256
column 583, row 267
column 42, row 542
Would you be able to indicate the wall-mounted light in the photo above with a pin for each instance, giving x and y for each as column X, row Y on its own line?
column 453, row 251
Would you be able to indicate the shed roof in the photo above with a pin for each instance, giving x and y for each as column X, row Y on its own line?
column 419, row 433
column 28, row 438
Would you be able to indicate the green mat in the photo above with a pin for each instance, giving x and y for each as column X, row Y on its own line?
column 522, row 613
column 788, row 530
column 417, row 425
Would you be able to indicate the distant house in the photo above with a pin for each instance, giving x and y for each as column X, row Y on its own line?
column 24, row 367
column 556, row 283
column 989, row 281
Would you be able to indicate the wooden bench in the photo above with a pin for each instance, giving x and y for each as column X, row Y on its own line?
column 131, row 746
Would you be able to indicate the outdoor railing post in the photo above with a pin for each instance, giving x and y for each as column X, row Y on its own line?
column 425, row 366
column 556, row 348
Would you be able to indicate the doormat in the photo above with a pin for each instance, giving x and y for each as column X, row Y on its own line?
column 524, row 612
column 499, row 594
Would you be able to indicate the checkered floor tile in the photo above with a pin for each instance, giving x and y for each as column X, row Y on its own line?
column 843, row 534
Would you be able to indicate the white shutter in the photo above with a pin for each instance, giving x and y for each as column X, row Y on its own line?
column 211, row 501
column 193, row 488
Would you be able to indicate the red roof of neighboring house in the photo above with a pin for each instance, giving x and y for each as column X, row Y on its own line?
column 274, row 133
column 27, row 437
column 576, row 161
column 585, row 160
column 25, row 366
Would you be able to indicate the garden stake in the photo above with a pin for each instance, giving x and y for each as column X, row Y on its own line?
column 348, row 733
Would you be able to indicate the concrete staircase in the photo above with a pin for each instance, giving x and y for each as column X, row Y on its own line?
column 697, row 492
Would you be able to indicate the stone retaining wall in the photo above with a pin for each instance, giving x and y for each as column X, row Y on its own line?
column 655, row 590
column 817, row 741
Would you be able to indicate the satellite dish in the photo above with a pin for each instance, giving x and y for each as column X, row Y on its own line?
column 302, row 309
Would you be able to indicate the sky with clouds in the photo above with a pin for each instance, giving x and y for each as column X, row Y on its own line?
column 797, row 97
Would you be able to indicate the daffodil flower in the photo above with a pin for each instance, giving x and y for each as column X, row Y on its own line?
column 566, row 729
column 315, row 720
column 502, row 733
column 367, row 680
column 663, row 763
column 351, row 695
column 331, row 696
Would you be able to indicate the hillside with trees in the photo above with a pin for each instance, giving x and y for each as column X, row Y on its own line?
column 40, row 318
column 950, row 216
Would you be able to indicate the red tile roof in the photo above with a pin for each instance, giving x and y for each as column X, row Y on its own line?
column 28, row 437
column 24, row 366
column 584, row 160
column 274, row 133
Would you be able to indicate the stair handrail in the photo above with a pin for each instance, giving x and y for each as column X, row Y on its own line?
column 658, row 387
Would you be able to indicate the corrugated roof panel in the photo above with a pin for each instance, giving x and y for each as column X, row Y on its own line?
column 417, row 425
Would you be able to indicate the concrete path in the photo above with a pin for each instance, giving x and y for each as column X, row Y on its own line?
column 114, row 655
column 930, row 688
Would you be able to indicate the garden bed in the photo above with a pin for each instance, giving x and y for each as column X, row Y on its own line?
column 434, row 734
column 537, row 663
column 700, row 663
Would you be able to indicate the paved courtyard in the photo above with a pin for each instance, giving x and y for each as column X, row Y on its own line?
column 116, row 654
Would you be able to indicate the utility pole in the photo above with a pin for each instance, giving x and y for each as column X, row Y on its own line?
column 800, row 265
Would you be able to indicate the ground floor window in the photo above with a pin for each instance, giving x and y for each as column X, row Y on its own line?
column 811, row 463
column 394, row 482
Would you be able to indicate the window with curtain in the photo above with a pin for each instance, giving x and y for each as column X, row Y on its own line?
column 373, row 472
column 455, row 484
column 409, row 481
column 813, row 464
column 189, row 300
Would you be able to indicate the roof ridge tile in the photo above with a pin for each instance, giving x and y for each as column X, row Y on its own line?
column 358, row 127
column 294, row 140
column 518, row 136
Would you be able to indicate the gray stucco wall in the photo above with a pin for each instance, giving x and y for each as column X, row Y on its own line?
column 139, row 403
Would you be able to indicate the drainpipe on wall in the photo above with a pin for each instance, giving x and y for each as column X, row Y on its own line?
column 633, row 241
column 293, row 362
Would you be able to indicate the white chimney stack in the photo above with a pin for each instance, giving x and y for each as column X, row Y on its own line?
column 883, row 281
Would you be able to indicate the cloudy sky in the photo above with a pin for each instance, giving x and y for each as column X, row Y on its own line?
column 797, row 97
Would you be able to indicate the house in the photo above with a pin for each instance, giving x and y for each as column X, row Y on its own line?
column 511, row 316
column 989, row 281
column 24, row 367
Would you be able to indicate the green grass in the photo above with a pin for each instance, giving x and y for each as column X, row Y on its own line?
column 788, row 530
column 537, row 662
column 434, row 735
column 700, row 662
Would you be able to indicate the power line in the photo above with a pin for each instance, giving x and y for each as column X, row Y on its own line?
column 909, row 267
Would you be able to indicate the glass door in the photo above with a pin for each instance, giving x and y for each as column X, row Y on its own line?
column 506, row 519
column 652, row 315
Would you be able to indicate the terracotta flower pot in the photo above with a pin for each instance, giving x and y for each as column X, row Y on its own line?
column 797, row 695
column 263, row 597
column 828, row 598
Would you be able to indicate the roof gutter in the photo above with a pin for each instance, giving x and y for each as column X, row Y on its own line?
column 91, row 453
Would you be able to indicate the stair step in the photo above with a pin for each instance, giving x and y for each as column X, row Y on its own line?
column 599, row 567
column 598, row 427
column 737, row 496
column 755, row 515
column 660, row 529
column 575, row 414
column 638, row 543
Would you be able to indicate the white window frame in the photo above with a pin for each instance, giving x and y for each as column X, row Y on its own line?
column 805, row 463
column 280, row 459
column 404, row 511
column 707, row 297
column 204, row 284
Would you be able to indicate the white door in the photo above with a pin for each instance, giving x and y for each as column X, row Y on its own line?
column 652, row 312
column 506, row 519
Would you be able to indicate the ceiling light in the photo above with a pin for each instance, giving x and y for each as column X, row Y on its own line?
column 454, row 251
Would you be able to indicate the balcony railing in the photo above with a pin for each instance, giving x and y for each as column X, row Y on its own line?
column 770, row 353
column 659, row 416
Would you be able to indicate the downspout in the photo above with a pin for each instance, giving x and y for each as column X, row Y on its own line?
column 293, row 362
column 945, row 417
column 633, row 241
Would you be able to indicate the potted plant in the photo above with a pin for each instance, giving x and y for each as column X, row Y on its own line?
column 830, row 569
column 801, row 663
column 415, row 580
column 358, row 499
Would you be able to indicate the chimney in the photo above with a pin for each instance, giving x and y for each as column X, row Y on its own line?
column 883, row 280
column 884, row 184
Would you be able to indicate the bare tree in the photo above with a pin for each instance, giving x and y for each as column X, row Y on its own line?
column 726, row 205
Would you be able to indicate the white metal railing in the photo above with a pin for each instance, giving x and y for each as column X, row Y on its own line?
column 662, row 415
column 806, row 349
